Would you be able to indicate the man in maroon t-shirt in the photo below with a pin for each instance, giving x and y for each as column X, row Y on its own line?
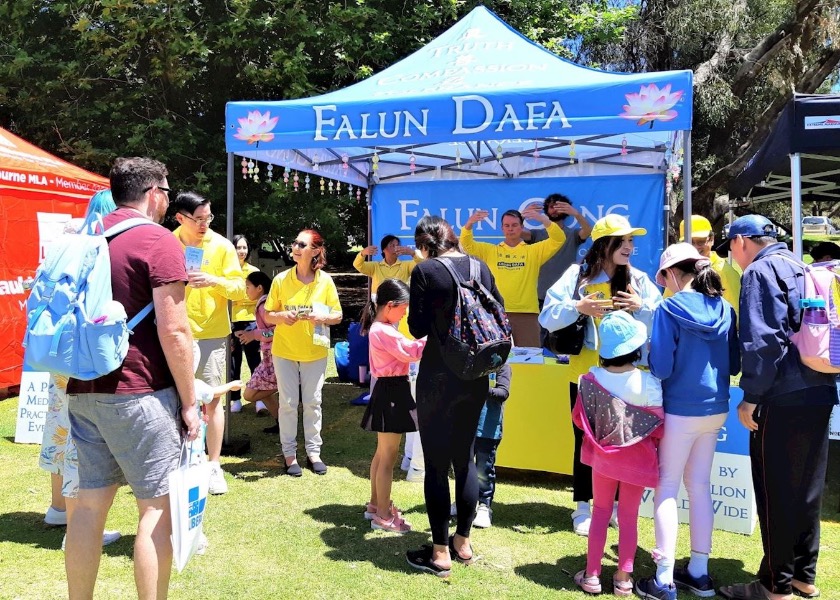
column 127, row 424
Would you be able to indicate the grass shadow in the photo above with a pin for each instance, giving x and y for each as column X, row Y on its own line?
column 28, row 528
column 350, row 538
column 532, row 517
column 557, row 576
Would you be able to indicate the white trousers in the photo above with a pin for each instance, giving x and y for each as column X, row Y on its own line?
column 296, row 379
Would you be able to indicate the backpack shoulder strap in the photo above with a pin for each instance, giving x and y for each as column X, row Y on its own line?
column 144, row 312
column 123, row 226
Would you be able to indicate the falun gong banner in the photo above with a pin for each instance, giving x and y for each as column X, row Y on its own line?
column 398, row 207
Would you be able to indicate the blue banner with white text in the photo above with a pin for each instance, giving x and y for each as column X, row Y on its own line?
column 397, row 207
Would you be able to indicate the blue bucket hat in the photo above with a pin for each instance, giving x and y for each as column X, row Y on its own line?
column 620, row 334
column 748, row 226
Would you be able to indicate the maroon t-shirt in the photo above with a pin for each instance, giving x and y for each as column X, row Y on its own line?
column 142, row 258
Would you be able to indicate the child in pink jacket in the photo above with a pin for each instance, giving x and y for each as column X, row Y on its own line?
column 619, row 410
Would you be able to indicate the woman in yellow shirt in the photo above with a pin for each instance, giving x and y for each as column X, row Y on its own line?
column 243, row 318
column 604, row 282
column 302, row 303
column 390, row 267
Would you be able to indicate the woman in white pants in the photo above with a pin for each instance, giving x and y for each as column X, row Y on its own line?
column 302, row 303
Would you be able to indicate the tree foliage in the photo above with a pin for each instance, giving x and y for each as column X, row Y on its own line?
column 92, row 80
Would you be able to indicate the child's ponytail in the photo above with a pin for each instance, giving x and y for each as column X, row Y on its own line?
column 707, row 282
column 390, row 290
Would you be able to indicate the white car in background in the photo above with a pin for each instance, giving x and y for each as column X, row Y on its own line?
column 820, row 225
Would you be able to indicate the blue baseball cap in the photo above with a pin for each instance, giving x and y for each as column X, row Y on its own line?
column 620, row 334
column 748, row 226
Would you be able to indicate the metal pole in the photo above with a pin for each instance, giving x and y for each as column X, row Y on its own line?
column 687, row 185
column 229, row 234
column 796, row 202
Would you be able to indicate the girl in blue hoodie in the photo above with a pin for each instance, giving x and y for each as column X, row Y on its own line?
column 694, row 350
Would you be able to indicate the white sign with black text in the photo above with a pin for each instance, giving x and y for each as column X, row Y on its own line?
column 33, row 403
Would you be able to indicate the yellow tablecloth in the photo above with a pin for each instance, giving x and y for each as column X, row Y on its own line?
column 537, row 430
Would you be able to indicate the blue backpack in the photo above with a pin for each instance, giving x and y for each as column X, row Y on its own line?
column 74, row 326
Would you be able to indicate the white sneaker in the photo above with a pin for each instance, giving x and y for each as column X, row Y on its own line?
column 581, row 520
column 405, row 465
column 415, row 476
column 614, row 517
column 203, row 544
column 453, row 510
column 236, row 406
column 218, row 485
column 56, row 518
column 483, row 517
column 108, row 537
column 260, row 409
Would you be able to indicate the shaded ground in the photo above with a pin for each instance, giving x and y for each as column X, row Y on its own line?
column 353, row 293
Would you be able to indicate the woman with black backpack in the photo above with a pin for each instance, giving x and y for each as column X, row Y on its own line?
column 448, row 407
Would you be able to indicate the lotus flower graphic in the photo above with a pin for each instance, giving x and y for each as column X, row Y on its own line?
column 651, row 104
column 256, row 127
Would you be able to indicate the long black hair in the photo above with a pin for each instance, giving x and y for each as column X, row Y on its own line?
column 706, row 279
column 390, row 290
column 593, row 263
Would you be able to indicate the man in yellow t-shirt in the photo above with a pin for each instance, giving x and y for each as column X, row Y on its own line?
column 209, row 288
column 516, row 266
column 390, row 267
column 703, row 238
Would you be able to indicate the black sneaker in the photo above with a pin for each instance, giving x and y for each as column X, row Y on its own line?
column 702, row 586
column 273, row 429
column 651, row 589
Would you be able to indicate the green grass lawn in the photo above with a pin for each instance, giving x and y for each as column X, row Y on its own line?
column 273, row 536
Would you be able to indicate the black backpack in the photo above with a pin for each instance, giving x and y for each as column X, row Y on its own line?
column 478, row 340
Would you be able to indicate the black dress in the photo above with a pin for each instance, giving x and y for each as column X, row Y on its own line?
column 391, row 408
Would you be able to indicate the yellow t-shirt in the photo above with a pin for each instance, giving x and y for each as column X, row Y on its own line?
column 517, row 268
column 380, row 271
column 580, row 364
column 728, row 275
column 207, row 308
column 294, row 342
column 243, row 310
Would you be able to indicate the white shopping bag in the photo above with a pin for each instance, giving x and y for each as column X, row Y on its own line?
column 188, row 488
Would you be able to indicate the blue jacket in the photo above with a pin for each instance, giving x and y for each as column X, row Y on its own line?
column 693, row 351
column 490, row 422
column 769, row 308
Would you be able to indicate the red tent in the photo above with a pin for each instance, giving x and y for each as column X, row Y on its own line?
column 39, row 193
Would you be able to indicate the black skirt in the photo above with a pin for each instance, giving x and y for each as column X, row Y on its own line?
column 391, row 408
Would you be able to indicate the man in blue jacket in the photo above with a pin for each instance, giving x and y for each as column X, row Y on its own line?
column 786, row 407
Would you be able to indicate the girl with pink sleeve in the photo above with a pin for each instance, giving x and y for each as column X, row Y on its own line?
column 391, row 411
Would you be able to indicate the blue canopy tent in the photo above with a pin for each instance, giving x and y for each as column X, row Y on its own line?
column 479, row 102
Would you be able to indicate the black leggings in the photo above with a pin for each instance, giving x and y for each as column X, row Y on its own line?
column 252, row 355
column 581, row 473
column 448, row 410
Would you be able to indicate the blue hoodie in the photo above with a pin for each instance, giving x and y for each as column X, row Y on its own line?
column 693, row 350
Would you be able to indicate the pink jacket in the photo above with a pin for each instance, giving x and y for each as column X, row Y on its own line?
column 629, row 436
column 391, row 351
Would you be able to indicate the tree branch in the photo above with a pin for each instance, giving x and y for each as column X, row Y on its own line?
column 705, row 70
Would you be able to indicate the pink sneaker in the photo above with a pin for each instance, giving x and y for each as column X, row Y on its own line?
column 371, row 510
column 395, row 524
column 590, row 584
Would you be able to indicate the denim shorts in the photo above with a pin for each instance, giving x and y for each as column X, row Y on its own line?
column 131, row 438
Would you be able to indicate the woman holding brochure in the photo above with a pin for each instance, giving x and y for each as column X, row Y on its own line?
column 302, row 303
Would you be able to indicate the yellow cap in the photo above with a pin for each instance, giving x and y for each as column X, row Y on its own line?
column 700, row 227
column 614, row 226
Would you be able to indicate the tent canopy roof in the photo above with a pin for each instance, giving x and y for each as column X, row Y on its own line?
column 472, row 103
column 24, row 166
column 810, row 125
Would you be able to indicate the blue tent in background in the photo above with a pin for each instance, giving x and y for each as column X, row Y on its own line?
column 479, row 102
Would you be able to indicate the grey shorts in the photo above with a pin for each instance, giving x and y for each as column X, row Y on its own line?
column 132, row 439
column 211, row 366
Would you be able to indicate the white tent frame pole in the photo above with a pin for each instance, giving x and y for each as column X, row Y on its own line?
column 686, row 175
column 229, row 233
column 796, row 201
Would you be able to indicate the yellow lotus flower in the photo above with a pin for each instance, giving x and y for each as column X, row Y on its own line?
column 256, row 127
column 651, row 104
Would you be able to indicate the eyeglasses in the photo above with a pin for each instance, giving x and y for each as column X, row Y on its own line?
column 299, row 244
column 160, row 187
column 199, row 222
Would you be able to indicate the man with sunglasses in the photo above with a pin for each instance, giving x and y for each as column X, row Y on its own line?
column 209, row 288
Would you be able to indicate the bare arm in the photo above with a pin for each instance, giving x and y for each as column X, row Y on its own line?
column 176, row 340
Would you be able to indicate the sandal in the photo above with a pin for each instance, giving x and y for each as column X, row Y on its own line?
column 623, row 588
column 371, row 510
column 744, row 591
column 395, row 524
column 422, row 561
column 580, row 522
column 589, row 584
column 455, row 556
column 803, row 594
